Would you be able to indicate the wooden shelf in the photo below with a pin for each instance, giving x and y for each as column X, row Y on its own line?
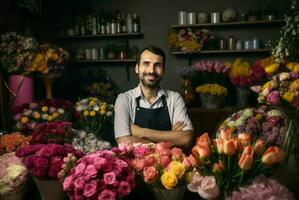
column 105, row 61
column 222, row 51
column 239, row 23
column 99, row 36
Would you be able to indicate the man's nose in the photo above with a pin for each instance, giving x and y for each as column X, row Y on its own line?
column 151, row 68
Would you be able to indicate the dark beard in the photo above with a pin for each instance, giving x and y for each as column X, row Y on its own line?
column 150, row 84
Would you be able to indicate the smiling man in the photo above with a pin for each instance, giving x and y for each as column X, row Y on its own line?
column 149, row 113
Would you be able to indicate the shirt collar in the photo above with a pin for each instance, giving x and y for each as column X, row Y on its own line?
column 137, row 92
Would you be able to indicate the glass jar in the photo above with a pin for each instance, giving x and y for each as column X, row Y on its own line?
column 187, row 91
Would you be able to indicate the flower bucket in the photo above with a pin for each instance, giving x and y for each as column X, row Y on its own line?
column 176, row 193
column 242, row 95
column 211, row 101
column 50, row 189
column 21, row 89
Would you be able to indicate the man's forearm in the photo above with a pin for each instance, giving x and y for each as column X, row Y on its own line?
column 132, row 139
column 177, row 138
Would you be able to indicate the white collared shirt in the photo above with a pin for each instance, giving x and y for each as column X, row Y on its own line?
column 125, row 105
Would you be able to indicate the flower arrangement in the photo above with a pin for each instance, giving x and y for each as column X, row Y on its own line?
column 159, row 165
column 229, row 162
column 263, row 122
column 213, row 89
column 44, row 161
column 266, row 188
column 17, row 52
column 93, row 114
column 11, row 142
column 188, row 40
column 185, row 72
column 88, row 143
column 105, row 91
column 58, row 132
column 286, row 48
column 29, row 115
column 99, row 175
column 13, row 174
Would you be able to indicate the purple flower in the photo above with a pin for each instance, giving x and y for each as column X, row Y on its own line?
column 273, row 97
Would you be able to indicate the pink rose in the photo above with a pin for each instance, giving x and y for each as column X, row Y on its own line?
column 273, row 97
column 79, row 170
column 165, row 160
column 138, row 164
column 273, row 120
column 205, row 186
column 150, row 161
column 56, row 163
column 177, row 153
column 90, row 189
column 79, row 183
column 186, row 163
column 109, row 178
column 90, row 171
column 107, row 195
column 68, row 183
column 123, row 188
column 141, row 150
column 162, row 146
column 99, row 162
column 120, row 163
column 150, row 174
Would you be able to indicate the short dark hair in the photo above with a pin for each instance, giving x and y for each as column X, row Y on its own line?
column 154, row 50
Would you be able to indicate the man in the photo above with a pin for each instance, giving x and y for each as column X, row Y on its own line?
column 149, row 113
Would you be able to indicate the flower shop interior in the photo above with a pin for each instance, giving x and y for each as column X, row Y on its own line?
column 234, row 63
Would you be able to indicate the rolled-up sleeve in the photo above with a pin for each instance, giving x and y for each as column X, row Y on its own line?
column 122, row 119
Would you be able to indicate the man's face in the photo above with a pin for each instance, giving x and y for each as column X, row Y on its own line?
column 150, row 69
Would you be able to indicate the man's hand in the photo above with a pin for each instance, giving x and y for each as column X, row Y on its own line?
column 136, row 130
column 178, row 126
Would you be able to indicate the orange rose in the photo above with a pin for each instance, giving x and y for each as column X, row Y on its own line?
column 202, row 151
column 204, row 139
column 246, row 159
column 272, row 155
column 229, row 147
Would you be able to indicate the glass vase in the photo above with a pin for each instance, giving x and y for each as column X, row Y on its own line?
column 187, row 91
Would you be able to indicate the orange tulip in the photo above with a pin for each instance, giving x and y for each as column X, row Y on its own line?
column 244, row 138
column 219, row 144
column 225, row 133
column 218, row 167
column 201, row 151
column 229, row 147
column 258, row 146
column 246, row 159
column 204, row 139
column 272, row 155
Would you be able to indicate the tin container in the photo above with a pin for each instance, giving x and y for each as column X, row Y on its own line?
column 182, row 20
column 94, row 54
column 215, row 17
column 231, row 43
column 191, row 18
column 255, row 43
column 102, row 53
column 247, row 44
column 222, row 44
column 239, row 45
column 88, row 54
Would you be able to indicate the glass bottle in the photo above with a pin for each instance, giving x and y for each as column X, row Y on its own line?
column 187, row 91
column 123, row 23
column 136, row 23
column 129, row 20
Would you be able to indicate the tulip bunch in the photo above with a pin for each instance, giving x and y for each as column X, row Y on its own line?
column 228, row 162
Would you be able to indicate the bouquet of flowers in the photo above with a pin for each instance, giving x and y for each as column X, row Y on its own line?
column 13, row 174
column 93, row 114
column 105, row 91
column 88, row 143
column 263, row 122
column 58, row 132
column 17, row 52
column 28, row 116
column 266, row 188
column 44, row 161
column 229, row 162
column 188, row 40
column 100, row 175
column 159, row 165
column 213, row 89
column 11, row 142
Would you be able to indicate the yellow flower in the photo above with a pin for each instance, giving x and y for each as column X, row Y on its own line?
column 295, row 85
column 291, row 65
column 36, row 115
column 50, row 118
column 102, row 112
column 86, row 113
column 55, row 114
column 91, row 103
column 288, row 96
column 258, row 117
column 92, row 113
column 213, row 89
column 272, row 68
column 189, row 176
column 266, row 85
column 169, row 180
column 296, row 68
column 177, row 168
column 24, row 120
column 45, row 108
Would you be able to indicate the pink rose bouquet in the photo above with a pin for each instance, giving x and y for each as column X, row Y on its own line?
column 58, row 132
column 13, row 173
column 100, row 175
column 266, row 188
column 228, row 162
column 44, row 161
column 262, row 122
column 29, row 115
column 159, row 165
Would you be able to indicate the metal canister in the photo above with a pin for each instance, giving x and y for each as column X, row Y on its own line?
column 102, row 53
column 94, row 54
column 222, row 44
column 239, row 45
column 182, row 20
column 247, row 44
column 231, row 43
column 255, row 43
column 191, row 18
column 215, row 17
column 88, row 54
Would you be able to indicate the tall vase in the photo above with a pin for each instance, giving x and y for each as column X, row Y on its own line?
column 21, row 89
column 242, row 95
column 48, row 80
column 176, row 193
column 50, row 189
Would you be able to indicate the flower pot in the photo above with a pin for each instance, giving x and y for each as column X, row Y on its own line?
column 50, row 189
column 21, row 89
column 211, row 101
column 176, row 193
